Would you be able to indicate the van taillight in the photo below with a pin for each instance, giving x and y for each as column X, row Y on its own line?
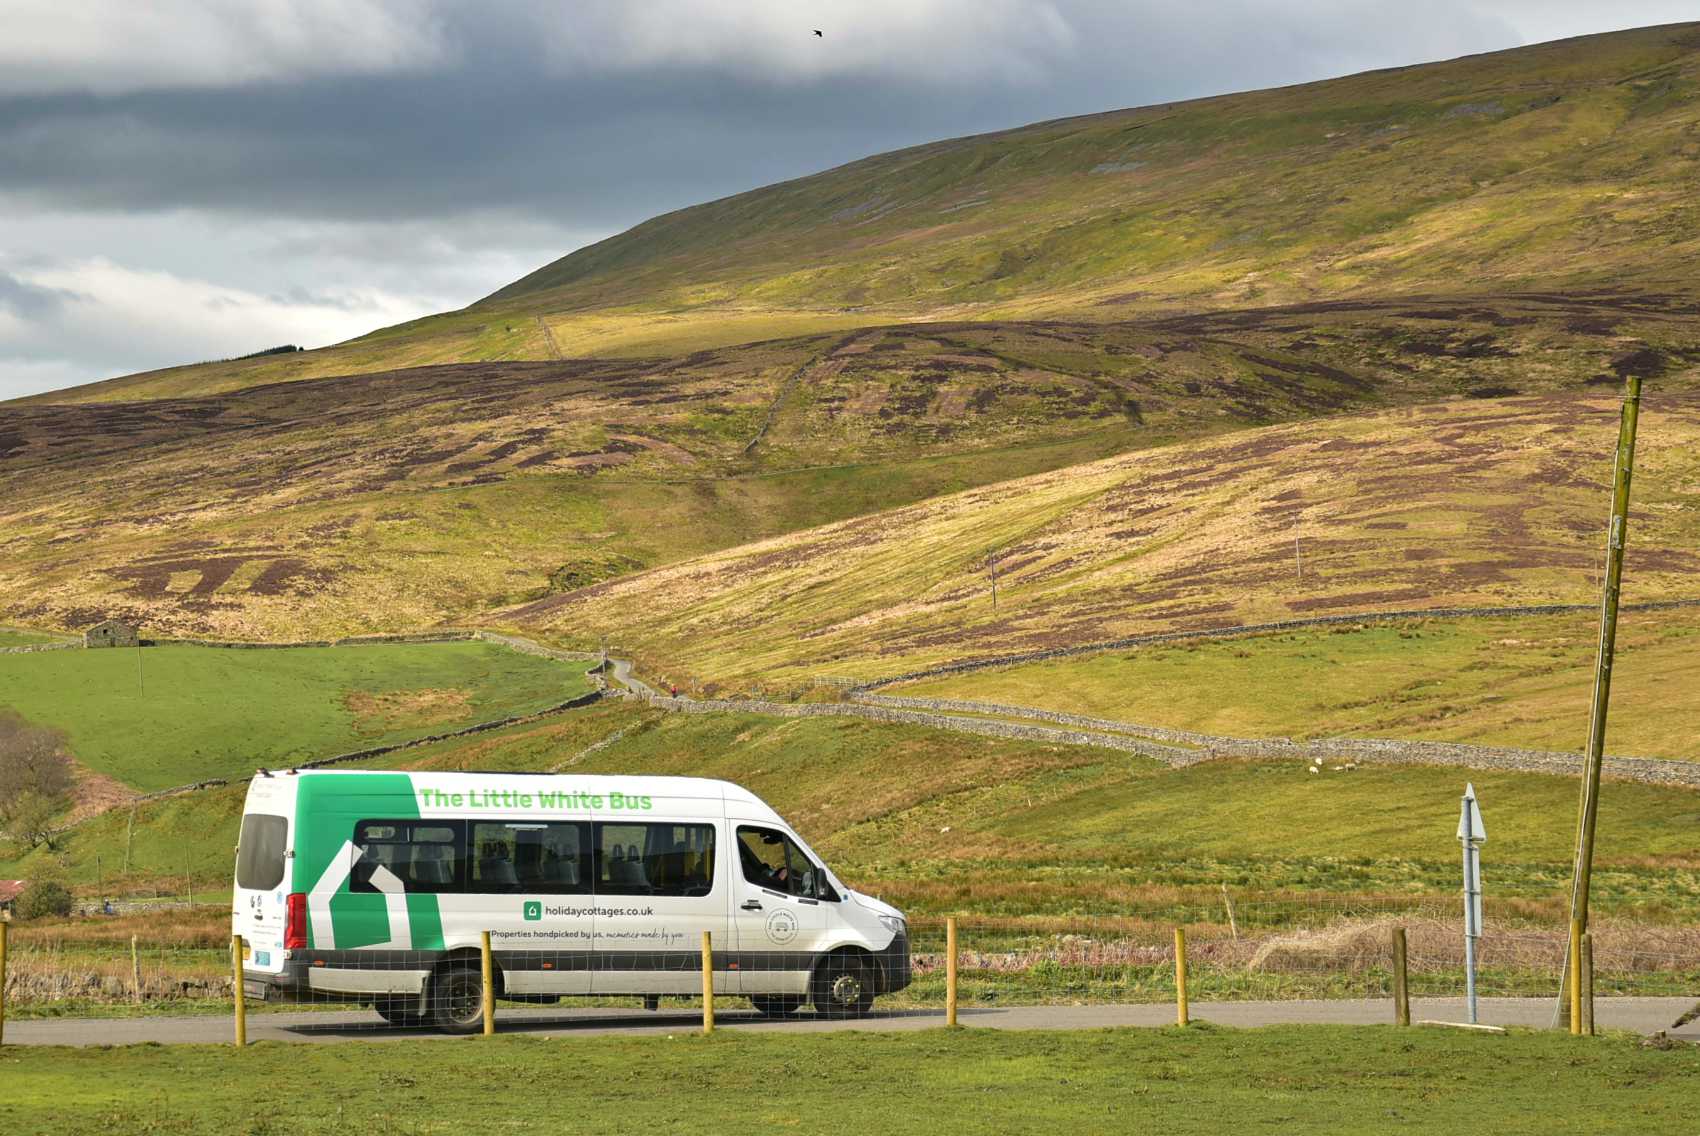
column 295, row 922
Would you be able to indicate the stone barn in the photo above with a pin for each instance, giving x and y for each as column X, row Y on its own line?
column 112, row 633
column 10, row 890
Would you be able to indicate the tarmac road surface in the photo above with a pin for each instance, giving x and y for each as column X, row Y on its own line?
column 1641, row 1015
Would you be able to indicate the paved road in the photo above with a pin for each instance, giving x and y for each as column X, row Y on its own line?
column 622, row 674
column 1642, row 1015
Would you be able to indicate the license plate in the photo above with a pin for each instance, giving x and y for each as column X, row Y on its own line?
column 255, row 990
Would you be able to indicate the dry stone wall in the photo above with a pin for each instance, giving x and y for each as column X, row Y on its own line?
column 1651, row 770
column 981, row 726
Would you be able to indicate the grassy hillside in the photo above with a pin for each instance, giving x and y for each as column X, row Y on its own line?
column 1020, row 828
column 1560, row 166
column 1519, row 682
column 165, row 716
column 1496, row 501
column 389, row 502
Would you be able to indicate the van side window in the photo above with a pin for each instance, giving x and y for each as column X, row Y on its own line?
column 654, row 859
column 773, row 861
column 532, row 857
column 408, row 856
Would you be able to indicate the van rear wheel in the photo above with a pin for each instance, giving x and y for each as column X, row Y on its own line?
column 777, row 1005
column 457, row 1000
column 843, row 988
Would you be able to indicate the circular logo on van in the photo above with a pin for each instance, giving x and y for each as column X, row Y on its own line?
column 782, row 926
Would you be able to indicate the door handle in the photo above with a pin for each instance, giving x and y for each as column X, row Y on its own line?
column 752, row 905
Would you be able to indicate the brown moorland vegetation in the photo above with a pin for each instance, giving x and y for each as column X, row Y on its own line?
column 1465, row 503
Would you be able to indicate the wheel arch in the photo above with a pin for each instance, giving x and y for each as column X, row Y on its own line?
column 468, row 958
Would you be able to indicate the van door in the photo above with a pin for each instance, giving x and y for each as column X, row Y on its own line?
column 259, row 906
column 658, row 888
column 777, row 910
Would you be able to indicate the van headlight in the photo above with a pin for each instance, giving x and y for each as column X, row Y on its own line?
column 894, row 924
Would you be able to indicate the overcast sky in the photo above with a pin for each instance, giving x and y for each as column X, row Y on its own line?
column 184, row 180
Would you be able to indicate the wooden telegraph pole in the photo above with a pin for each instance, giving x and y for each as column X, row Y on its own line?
column 1588, row 811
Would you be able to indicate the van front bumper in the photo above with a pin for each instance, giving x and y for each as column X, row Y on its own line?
column 895, row 969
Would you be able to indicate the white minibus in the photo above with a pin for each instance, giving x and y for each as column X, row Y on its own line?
column 375, row 888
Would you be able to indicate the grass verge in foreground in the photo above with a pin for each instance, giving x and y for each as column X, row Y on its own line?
column 1323, row 1079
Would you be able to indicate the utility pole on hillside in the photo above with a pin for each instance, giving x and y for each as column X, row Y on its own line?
column 1616, row 532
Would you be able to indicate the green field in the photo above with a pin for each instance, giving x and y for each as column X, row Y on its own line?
column 162, row 716
column 1201, row 1080
column 1516, row 682
column 20, row 637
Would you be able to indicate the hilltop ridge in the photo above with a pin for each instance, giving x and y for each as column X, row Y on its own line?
column 1567, row 164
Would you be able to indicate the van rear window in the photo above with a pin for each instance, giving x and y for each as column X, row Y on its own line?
column 260, row 851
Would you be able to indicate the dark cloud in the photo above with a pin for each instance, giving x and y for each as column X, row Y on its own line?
column 502, row 129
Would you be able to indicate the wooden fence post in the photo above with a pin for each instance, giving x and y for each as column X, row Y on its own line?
column 1588, row 983
column 707, row 982
column 135, row 973
column 1180, row 976
column 489, row 986
column 950, row 970
column 3, row 928
column 241, row 994
column 1576, row 976
column 1401, row 986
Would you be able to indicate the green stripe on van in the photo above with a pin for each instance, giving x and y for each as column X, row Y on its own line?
column 326, row 810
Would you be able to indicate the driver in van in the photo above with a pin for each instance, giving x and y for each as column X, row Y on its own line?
column 763, row 874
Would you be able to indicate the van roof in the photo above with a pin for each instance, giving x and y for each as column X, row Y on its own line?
column 574, row 778
column 661, row 785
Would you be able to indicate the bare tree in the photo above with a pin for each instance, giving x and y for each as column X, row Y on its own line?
column 35, row 778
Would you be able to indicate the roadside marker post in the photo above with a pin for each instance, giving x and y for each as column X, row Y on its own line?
column 707, row 983
column 1401, row 985
column 1180, row 976
column 1471, row 834
column 135, row 973
column 950, row 971
column 241, row 995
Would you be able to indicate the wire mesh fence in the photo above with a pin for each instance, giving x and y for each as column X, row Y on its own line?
column 615, row 963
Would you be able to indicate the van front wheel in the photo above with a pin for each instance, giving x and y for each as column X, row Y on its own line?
column 843, row 988
column 457, row 1000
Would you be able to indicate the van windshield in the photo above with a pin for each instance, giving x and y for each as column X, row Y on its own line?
column 260, row 851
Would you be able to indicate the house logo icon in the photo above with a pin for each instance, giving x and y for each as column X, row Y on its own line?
column 534, row 909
